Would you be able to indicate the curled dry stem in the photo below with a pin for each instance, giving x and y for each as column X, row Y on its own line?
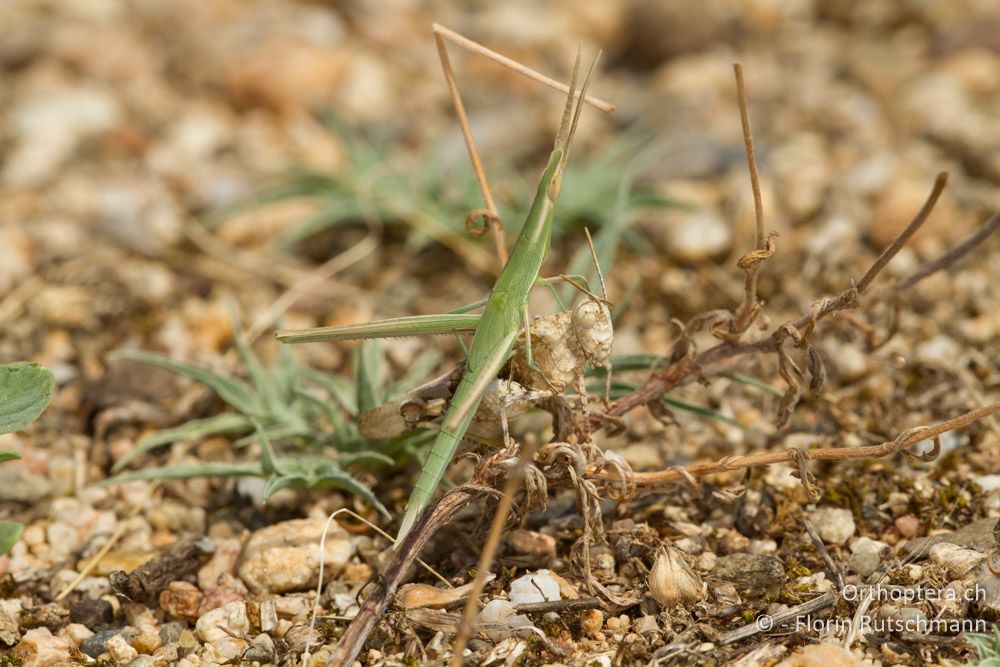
column 664, row 379
column 764, row 242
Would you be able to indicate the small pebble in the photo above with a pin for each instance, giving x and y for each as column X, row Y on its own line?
column 76, row 634
column 40, row 648
column 907, row 525
column 120, row 650
column 591, row 622
column 95, row 614
column 646, row 625
column 835, row 525
column 502, row 619
column 181, row 600
column 285, row 557
column 10, row 614
column 170, row 632
column 532, row 543
column 98, row 643
column 867, row 555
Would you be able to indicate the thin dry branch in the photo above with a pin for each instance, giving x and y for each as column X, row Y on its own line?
column 514, row 479
column 763, row 244
column 904, row 236
column 904, row 441
column 491, row 214
column 949, row 258
column 665, row 379
column 375, row 605
column 475, row 47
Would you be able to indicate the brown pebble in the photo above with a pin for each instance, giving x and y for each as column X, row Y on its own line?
column 51, row 616
column 908, row 525
column 181, row 600
column 821, row 655
column 356, row 573
column 95, row 614
column 532, row 543
column 220, row 596
column 591, row 621
column 147, row 642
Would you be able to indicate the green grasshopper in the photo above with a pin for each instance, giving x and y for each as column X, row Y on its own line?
column 496, row 329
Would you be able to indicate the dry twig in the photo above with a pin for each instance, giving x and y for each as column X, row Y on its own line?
column 904, row 441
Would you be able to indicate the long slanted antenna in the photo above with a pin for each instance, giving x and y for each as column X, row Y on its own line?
column 568, row 138
column 597, row 264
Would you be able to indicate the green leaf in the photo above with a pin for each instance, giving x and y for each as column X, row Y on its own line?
column 419, row 369
column 9, row 456
column 702, row 411
column 754, row 382
column 187, row 472
column 233, row 391
column 25, row 390
column 265, row 385
column 196, row 429
column 367, row 368
column 320, row 474
column 10, row 532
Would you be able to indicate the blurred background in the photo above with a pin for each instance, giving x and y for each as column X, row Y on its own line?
column 161, row 159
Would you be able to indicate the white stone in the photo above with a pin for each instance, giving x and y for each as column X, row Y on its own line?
column 834, row 525
column 700, row 235
column 120, row 651
column 867, row 555
column 223, row 622
column 532, row 588
column 500, row 620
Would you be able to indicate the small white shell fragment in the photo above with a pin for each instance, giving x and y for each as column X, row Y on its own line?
column 500, row 620
column 531, row 588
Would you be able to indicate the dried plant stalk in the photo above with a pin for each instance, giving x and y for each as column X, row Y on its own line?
column 904, row 441
column 683, row 366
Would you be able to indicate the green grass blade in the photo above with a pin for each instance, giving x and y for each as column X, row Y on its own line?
column 262, row 382
column 367, row 369
column 224, row 424
column 10, row 533
column 25, row 391
column 9, row 456
column 210, row 469
column 754, row 382
column 702, row 411
column 340, row 389
column 233, row 391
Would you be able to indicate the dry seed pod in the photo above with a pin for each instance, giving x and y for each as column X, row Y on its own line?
column 420, row 596
column 672, row 581
column 956, row 561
